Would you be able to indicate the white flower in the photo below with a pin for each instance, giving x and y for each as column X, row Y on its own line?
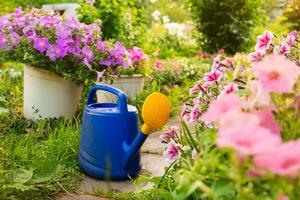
column 176, row 29
column 90, row 2
column 156, row 15
column 166, row 19
column 153, row 1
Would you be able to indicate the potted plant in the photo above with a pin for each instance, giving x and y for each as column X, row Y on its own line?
column 59, row 53
column 131, row 79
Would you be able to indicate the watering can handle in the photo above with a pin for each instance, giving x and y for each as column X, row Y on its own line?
column 122, row 101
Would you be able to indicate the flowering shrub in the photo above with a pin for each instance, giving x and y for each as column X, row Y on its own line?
column 240, row 130
column 63, row 45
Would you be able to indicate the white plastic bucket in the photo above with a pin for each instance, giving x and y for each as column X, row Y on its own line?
column 132, row 86
column 47, row 95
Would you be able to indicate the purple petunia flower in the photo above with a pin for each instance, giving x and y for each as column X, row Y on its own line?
column 108, row 61
column 41, row 44
column 100, row 45
column 2, row 40
column 73, row 23
column 51, row 53
column 48, row 21
column 29, row 31
column 60, row 51
column 63, row 30
column 88, row 53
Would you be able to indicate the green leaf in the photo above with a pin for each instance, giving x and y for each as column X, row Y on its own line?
column 162, row 193
column 223, row 188
column 243, row 92
column 229, row 76
column 43, row 171
column 18, row 176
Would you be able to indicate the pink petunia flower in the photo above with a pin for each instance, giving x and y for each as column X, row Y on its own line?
column 213, row 76
column 172, row 152
column 197, row 87
column 2, row 40
column 264, row 41
column 282, row 160
column 195, row 113
column 267, row 120
column 217, row 63
column 284, row 48
column 291, row 38
column 282, row 197
column 169, row 134
column 230, row 88
column 184, row 114
column 242, row 132
column 255, row 56
column 219, row 107
column 136, row 54
column 276, row 73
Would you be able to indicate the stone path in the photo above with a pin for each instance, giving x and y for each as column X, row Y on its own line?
column 152, row 162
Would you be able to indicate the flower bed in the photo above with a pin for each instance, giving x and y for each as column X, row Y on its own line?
column 246, row 116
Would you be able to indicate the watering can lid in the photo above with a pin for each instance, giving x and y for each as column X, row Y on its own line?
column 108, row 108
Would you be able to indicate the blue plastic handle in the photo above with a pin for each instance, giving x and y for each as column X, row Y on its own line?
column 122, row 101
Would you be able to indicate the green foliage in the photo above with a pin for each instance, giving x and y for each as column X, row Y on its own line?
column 292, row 15
column 10, row 5
column 124, row 21
column 227, row 24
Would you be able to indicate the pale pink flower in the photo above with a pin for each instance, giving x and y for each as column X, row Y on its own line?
column 276, row 73
column 230, row 88
column 282, row 197
column 241, row 131
column 172, row 152
column 236, row 117
column 255, row 56
column 291, row 38
column 259, row 98
column 169, row 134
column 282, row 160
column 219, row 107
column 264, row 41
column 197, row 87
column 267, row 120
column 213, row 76
column 284, row 48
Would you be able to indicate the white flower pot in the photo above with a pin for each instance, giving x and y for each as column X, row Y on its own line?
column 47, row 95
column 132, row 86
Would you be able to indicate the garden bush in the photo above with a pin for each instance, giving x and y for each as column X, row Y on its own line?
column 125, row 21
column 227, row 24
column 292, row 15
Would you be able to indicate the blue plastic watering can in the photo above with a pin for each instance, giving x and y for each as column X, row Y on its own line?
column 110, row 137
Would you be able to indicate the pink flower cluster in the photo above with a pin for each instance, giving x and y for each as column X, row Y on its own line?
column 202, row 87
column 247, row 124
column 173, row 151
column 264, row 45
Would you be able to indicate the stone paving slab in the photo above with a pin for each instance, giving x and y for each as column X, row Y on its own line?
column 151, row 163
column 80, row 197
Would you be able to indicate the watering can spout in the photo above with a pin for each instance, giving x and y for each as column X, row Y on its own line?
column 155, row 113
